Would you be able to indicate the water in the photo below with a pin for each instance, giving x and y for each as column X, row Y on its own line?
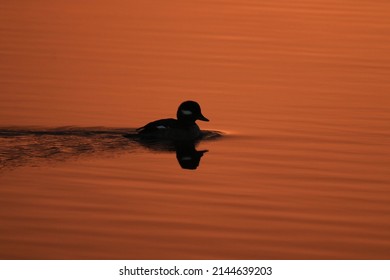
column 297, row 158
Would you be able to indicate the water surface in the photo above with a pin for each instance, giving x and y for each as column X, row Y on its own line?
column 298, row 92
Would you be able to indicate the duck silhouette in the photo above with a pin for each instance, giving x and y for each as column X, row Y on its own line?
column 183, row 128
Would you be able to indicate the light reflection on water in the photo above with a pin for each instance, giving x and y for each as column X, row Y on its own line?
column 299, row 90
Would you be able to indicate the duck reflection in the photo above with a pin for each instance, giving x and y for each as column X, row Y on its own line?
column 186, row 154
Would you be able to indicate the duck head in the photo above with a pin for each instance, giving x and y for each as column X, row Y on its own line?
column 189, row 111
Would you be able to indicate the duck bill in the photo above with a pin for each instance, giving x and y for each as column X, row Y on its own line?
column 203, row 118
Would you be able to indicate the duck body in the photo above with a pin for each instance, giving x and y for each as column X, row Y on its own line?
column 183, row 128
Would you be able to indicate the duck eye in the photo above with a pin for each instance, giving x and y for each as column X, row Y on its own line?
column 186, row 112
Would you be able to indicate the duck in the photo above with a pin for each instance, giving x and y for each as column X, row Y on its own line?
column 184, row 128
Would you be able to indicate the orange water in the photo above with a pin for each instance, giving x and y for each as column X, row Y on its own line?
column 300, row 90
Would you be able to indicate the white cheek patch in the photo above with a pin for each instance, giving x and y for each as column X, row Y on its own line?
column 186, row 112
column 186, row 158
column 161, row 127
